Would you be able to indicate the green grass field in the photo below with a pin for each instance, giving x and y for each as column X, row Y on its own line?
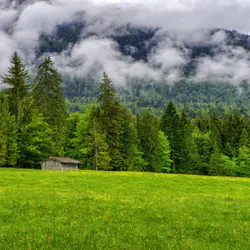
column 120, row 210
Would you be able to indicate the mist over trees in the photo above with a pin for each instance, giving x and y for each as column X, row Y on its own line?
column 34, row 124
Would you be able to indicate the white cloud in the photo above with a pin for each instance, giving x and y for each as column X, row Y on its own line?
column 7, row 47
column 93, row 56
column 7, row 18
column 182, row 20
column 229, row 65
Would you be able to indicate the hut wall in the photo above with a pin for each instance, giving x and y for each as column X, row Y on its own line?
column 51, row 165
column 56, row 165
column 69, row 166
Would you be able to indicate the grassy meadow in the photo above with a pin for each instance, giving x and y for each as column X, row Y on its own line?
column 122, row 210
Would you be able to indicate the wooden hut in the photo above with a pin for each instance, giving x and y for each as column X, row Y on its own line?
column 59, row 163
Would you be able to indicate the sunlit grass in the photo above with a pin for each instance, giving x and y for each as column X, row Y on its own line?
column 121, row 210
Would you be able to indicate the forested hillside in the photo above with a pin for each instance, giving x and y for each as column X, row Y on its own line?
column 197, row 96
column 202, row 69
column 108, row 136
column 170, row 100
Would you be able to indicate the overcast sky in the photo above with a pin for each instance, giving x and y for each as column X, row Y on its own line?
column 189, row 19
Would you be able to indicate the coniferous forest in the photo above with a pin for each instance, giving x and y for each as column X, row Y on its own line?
column 111, row 132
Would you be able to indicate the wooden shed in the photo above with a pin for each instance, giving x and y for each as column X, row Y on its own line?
column 59, row 163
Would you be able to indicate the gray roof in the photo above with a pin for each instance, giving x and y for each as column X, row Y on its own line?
column 63, row 160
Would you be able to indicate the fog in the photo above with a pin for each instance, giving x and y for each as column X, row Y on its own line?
column 179, row 23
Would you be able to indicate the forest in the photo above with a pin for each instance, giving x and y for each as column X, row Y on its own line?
column 111, row 133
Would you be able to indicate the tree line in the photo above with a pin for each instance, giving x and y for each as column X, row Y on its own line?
column 33, row 114
column 34, row 124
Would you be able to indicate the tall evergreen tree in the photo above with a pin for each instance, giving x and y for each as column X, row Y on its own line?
column 205, row 149
column 8, row 134
column 148, row 134
column 89, row 143
column 17, row 78
column 49, row 99
column 99, row 149
column 112, row 120
column 163, row 154
column 71, row 128
column 170, row 125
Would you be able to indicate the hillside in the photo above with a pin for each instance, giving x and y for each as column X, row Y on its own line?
column 140, row 43
column 202, row 67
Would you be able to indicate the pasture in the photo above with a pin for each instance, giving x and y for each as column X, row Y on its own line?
column 122, row 210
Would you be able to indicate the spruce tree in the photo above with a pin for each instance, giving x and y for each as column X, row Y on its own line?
column 49, row 99
column 100, row 151
column 111, row 120
column 170, row 125
column 17, row 79
column 8, row 134
column 89, row 143
column 148, row 134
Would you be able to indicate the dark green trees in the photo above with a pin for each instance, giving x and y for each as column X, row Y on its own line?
column 32, row 121
column 49, row 100
column 17, row 79
column 36, row 142
column 116, row 124
column 153, row 143
column 8, row 135
column 170, row 125
column 105, row 136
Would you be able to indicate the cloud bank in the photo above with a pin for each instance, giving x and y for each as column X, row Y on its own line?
column 180, row 23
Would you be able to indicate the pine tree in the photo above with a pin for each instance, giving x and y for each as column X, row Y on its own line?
column 49, row 99
column 232, row 131
column 163, row 154
column 204, row 147
column 112, row 119
column 170, row 125
column 71, row 128
column 89, row 142
column 215, row 163
column 8, row 135
column 148, row 134
column 244, row 154
column 100, row 154
column 17, row 78
column 244, row 161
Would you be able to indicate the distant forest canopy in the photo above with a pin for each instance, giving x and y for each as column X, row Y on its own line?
column 115, row 133
column 197, row 98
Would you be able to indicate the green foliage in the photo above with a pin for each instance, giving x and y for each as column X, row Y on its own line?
column 197, row 98
column 148, row 134
column 171, row 126
column 244, row 161
column 36, row 143
column 210, row 136
column 117, row 125
column 164, row 161
column 49, row 99
column 16, row 78
column 8, row 134
column 71, row 126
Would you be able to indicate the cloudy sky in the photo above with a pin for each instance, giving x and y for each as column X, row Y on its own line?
column 21, row 26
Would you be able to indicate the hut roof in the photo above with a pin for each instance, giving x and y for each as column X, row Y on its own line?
column 63, row 160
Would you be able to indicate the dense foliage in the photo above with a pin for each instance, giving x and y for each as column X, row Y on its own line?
column 107, row 135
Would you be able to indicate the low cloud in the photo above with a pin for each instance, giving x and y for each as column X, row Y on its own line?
column 231, row 64
column 7, row 48
column 181, row 24
column 92, row 56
